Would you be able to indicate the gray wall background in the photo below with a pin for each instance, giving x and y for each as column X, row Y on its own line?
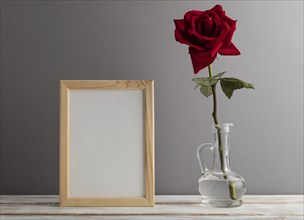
column 45, row 41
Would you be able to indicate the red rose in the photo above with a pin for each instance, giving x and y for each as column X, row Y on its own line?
column 207, row 33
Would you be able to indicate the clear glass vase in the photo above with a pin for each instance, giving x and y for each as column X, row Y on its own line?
column 219, row 186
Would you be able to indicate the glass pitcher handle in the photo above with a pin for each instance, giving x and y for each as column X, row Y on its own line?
column 199, row 152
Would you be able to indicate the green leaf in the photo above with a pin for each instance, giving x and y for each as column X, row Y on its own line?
column 206, row 90
column 229, row 84
column 205, row 81
column 219, row 74
column 197, row 85
column 205, row 84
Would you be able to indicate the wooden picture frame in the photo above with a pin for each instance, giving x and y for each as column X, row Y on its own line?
column 92, row 170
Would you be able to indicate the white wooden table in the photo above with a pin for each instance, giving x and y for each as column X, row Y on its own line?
column 279, row 207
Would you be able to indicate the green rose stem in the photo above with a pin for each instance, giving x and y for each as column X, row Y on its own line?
column 232, row 190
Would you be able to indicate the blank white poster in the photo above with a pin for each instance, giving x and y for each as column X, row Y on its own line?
column 107, row 145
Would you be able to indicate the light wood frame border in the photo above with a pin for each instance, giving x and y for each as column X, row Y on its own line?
column 148, row 87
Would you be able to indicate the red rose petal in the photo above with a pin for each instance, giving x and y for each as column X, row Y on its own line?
column 180, row 37
column 229, row 21
column 200, row 59
column 183, row 38
column 228, row 39
column 218, row 9
column 197, row 39
column 215, row 49
column 216, row 41
column 179, row 24
column 190, row 14
column 229, row 50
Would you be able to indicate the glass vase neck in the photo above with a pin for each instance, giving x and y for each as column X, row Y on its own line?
column 225, row 127
column 221, row 155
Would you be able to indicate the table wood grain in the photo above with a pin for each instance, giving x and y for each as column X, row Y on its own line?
column 278, row 207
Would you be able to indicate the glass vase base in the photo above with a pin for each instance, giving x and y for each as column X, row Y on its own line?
column 222, row 203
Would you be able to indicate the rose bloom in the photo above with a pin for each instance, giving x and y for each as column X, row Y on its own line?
column 207, row 33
